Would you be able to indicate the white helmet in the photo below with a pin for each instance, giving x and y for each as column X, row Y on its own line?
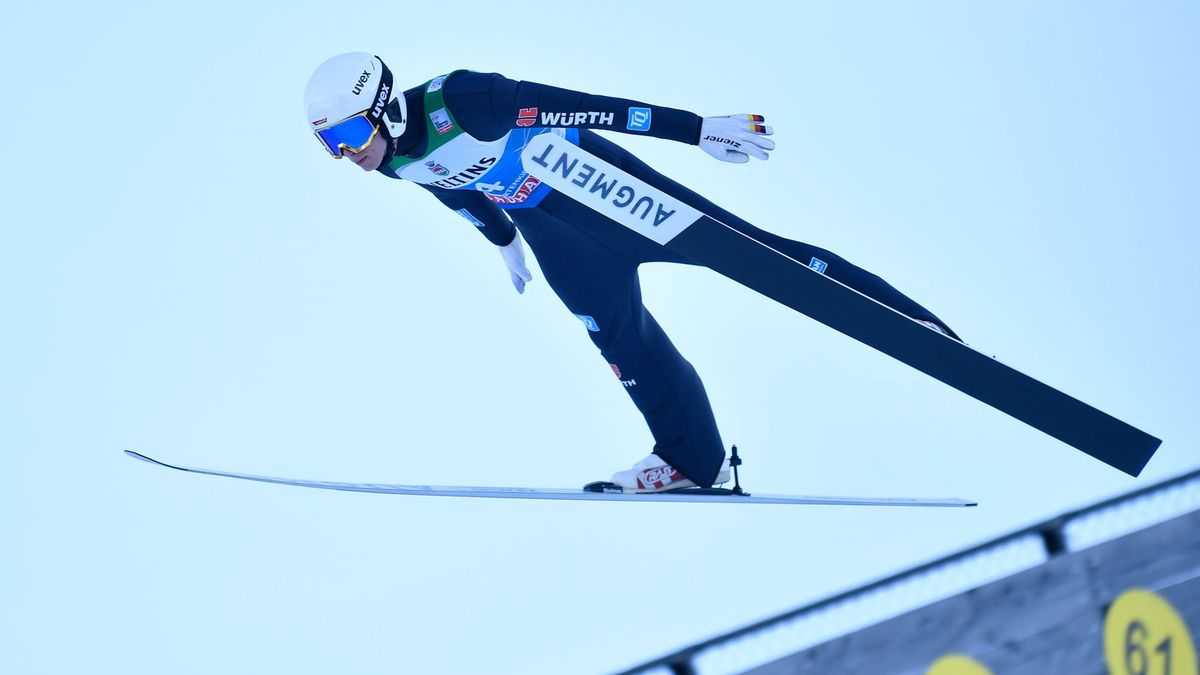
column 348, row 85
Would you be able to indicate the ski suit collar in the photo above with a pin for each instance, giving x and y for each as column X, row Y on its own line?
column 439, row 128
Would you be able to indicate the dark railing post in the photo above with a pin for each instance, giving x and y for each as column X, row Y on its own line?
column 682, row 668
column 1053, row 538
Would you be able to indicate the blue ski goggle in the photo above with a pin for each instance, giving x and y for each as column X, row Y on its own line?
column 354, row 133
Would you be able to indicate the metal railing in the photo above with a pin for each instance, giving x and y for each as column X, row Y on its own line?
column 1028, row 547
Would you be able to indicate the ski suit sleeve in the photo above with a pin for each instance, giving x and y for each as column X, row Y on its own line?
column 479, row 211
column 501, row 105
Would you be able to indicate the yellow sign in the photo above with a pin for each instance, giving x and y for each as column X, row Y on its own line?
column 1144, row 635
column 957, row 664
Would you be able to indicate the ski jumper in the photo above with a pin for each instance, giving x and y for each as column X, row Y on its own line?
column 463, row 143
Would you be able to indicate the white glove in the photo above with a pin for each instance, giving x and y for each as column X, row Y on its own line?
column 514, row 260
column 733, row 138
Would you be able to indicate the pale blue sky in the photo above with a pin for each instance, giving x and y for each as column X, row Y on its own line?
column 186, row 273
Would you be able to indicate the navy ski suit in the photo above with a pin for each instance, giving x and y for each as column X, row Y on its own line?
column 589, row 261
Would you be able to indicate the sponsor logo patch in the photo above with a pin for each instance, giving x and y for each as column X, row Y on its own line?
column 818, row 265
column 435, row 84
column 589, row 322
column 659, row 476
column 441, row 121
column 467, row 214
column 381, row 101
column 468, row 175
column 437, row 168
column 612, row 192
column 522, row 193
column 362, row 79
column 639, row 119
column 527, row 117
column 722, row 139
column 617, row 371
column 575, row 119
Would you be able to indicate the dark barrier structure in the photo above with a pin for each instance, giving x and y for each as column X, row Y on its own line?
column 1113, row 588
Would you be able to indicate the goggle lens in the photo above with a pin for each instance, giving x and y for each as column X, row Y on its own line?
column 354, row 134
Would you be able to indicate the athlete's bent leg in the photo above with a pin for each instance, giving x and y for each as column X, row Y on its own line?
column 601, row 288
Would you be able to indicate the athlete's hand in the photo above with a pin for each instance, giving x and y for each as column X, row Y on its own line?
column 514, row 260
column 734, row 138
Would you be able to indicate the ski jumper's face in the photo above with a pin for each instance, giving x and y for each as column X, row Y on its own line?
column 371, row 156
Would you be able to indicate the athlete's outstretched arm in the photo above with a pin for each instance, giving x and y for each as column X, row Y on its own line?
column 490, row 105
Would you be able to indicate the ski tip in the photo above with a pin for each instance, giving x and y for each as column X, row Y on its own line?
column 138, row 455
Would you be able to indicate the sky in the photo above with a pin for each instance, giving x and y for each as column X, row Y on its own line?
column 184, row 272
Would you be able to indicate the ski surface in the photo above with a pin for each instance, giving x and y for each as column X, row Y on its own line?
column 563, row 493
column 656, row 215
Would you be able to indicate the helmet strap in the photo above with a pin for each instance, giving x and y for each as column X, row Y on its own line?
column 394, row 111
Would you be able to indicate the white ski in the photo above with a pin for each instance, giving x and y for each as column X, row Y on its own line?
column 562, row 493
